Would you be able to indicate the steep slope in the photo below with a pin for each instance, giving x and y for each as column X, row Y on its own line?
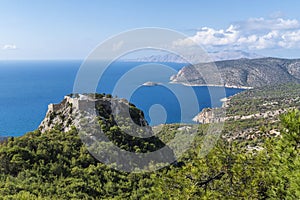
column 244, row 72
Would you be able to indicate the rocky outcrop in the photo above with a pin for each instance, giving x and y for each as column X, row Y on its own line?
column 113, row 130
column 58, row 115
column 242, row 73
column 210, row 115
column 64, row 115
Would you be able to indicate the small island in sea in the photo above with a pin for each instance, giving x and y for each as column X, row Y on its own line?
column 149, row 83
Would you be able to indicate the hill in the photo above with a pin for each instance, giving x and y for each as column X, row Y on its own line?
column 254, row 114
column 245, row 73
column 54, row 163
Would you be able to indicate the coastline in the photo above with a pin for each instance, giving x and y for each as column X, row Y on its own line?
column 212, row 85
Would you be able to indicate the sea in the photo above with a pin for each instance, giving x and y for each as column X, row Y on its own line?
column 27, row 87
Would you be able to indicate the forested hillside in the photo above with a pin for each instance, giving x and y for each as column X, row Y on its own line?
column 55, row 164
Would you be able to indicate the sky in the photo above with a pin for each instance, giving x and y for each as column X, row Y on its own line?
column 71, row 29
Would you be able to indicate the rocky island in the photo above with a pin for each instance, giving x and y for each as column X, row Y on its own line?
column 149, row 83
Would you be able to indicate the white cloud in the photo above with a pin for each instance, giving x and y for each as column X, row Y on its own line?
column 290, row 39
column 9, row 47
column 252, row 34
column 260, row 24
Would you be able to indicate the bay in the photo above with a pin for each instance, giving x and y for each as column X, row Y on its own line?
column 27, row 87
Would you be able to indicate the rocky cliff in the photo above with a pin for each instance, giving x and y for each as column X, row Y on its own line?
column 243, row 73
column 65, row 114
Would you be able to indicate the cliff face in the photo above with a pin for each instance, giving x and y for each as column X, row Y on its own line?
column 58, row 115
column 210, row 115
column 245, row 73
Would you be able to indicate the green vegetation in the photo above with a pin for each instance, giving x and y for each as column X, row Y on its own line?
column 261, row 108
column 246, row 163
column 56, row 165
column 268, row 98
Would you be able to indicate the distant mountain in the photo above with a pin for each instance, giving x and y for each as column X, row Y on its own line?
column 195, row 58
column 233, row 55
column 242, row 73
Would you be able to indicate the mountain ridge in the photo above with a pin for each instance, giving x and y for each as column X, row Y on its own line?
column 196, row 58
column 243, row 73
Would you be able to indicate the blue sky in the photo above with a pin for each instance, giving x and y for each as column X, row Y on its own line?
column 68, row 29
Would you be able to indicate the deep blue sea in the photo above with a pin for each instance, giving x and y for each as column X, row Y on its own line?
column 27, row 87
